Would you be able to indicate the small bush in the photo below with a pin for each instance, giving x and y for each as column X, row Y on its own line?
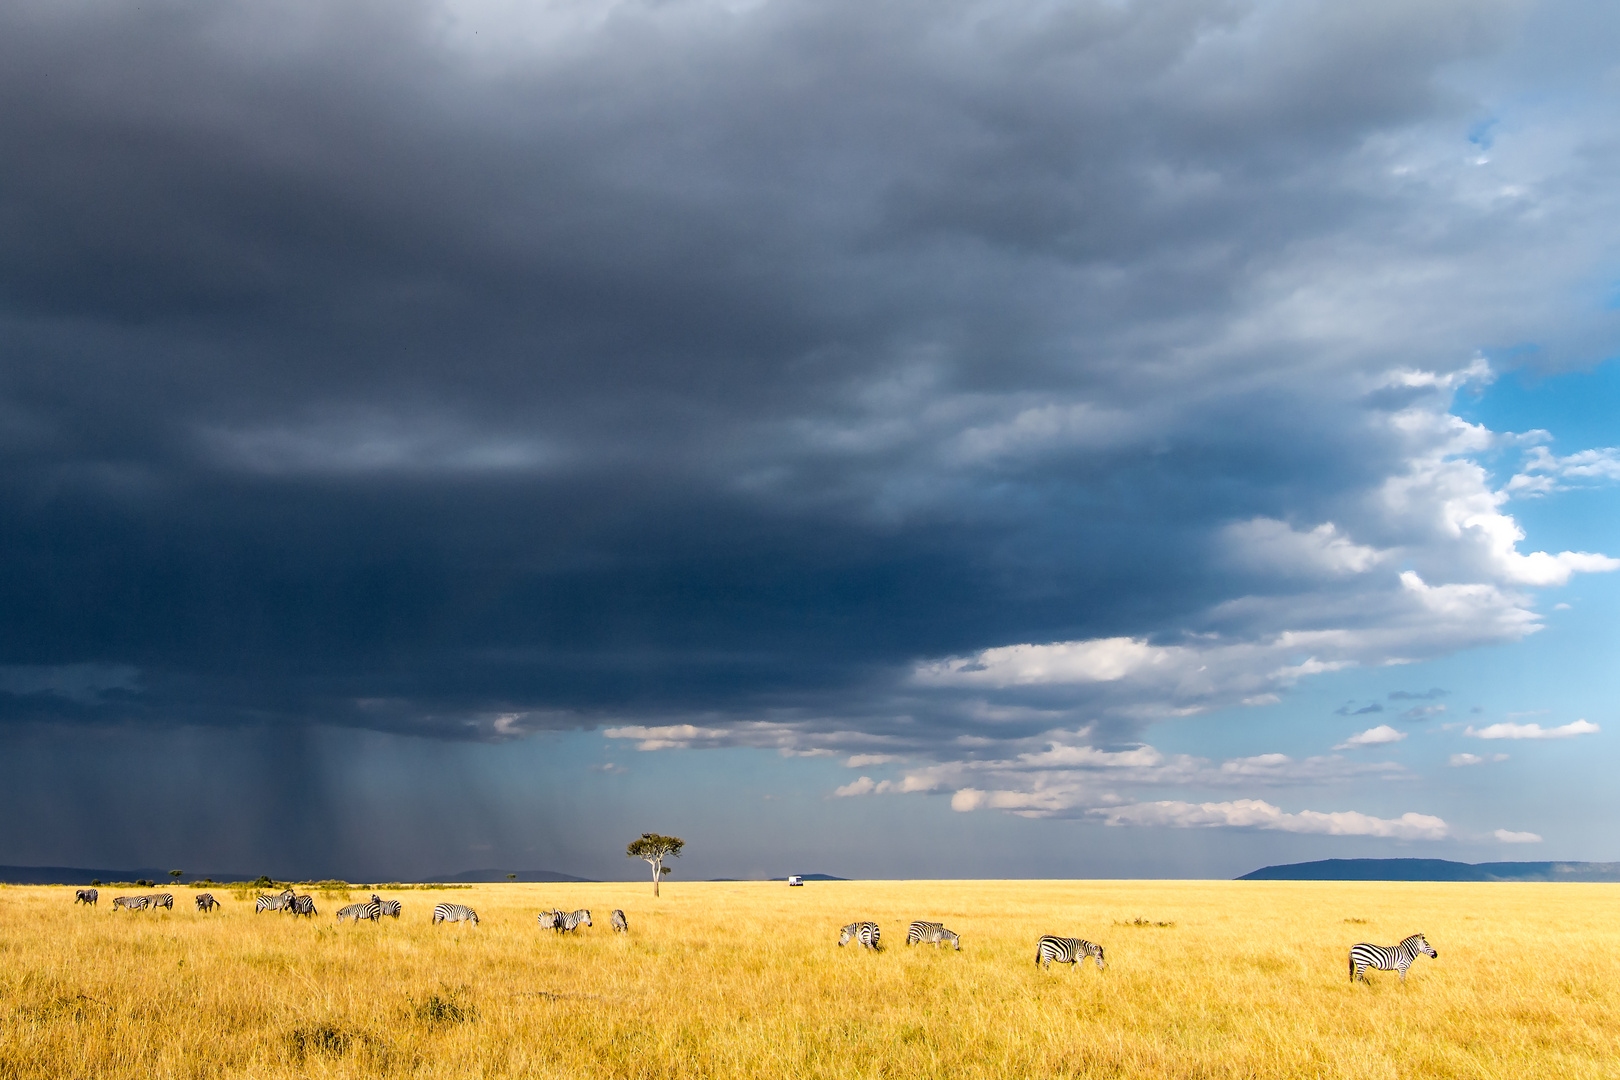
column 446, row 1007
column 323, row 1038
column 1142, row 923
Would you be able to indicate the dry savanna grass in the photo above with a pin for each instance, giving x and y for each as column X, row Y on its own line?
column 1205, row 979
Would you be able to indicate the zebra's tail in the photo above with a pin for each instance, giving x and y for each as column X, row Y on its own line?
column 1352, row 967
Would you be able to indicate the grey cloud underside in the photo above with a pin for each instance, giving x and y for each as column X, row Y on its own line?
column 682, row 363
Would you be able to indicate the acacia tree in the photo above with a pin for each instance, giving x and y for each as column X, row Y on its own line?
column 655, row 849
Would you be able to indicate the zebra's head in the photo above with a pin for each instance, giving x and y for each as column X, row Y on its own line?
column 1421, row 944
column 845, row 934
column 587, row 920
column 954, row 938
column 1097, row 951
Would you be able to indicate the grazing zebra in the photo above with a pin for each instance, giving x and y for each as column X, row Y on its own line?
column 277, row 902
column 85, row 896
column 620, row 923
column 1066, row 950
column 932, row 933
column 454, row 913
column 549, row 919
column 572, row 921
column 371, row 910
column 1398, row 959
column 303, row 905
column 160, row 900
column 130, row 903
column 389, row 907
column 866, row 933
column 206, row 901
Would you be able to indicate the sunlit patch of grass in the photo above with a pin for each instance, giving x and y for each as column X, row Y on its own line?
column 1224, row 980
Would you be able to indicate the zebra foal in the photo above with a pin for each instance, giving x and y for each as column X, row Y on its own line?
column 454, row 913
column 923, row 932
column 389, row 908
column 620, row 923
column 303, row 905
column 160, row 900
column 865, row 934
column 206, row 902
column 1066, row 950
column 85, row 896
column 1399, row 958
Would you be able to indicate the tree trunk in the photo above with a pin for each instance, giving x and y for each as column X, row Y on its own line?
column 657, row 873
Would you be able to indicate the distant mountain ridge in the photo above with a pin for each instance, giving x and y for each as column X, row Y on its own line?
column 482, row 877
column 1434, row 870
column 79, row 875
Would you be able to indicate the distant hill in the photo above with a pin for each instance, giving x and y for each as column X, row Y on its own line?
column 495, row 876
column 814, row 877
column 79, row 875
column 1434, row 870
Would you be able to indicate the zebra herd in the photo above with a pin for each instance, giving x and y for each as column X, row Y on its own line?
column 1051, row 948
column 1067, row 950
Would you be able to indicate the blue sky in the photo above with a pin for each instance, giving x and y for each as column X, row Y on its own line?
column 1152, row 438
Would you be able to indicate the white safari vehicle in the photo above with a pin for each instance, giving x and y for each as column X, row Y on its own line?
column 795, row 880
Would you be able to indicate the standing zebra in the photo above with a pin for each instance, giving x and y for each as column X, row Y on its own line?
column 388, row 907
column 866, row 933
column 1398, row 959
column 85, row 896
column 1066, row 950
column 206, row 902
column 573, row 920
column 277, row 902
column 371, row 910
column 454, row 913
column 303, row 905
column 549, row 919
column 932, row 933
column 160, row 900
column 620, row 923
column 130, row 903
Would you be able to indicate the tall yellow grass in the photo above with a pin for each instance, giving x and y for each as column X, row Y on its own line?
column 746, row 980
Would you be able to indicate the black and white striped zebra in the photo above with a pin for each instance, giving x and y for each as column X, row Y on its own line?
column 372, row 910
column 923, row 932
column 275, row 902
column 454, row 913
column 621, row 925
column 572, row 921
column 85, row 896
column 130, row 903
column 389, row 907
column 206, row 902
column 1399, row 958
column 160, row 900
column 303, row 905
column 1066, row 950
column 866, row 934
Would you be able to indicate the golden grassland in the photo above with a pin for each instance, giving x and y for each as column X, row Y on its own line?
column 746, row 980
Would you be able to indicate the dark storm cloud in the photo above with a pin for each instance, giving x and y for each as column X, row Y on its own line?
column 463, row 372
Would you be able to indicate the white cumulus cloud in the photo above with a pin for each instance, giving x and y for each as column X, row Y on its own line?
column 1257, row 814
column 1460, row 760
column 1508, row 837
column 1375, row 736
column 1534, row 731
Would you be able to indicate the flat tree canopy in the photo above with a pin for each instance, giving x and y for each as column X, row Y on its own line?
column 655, row 849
